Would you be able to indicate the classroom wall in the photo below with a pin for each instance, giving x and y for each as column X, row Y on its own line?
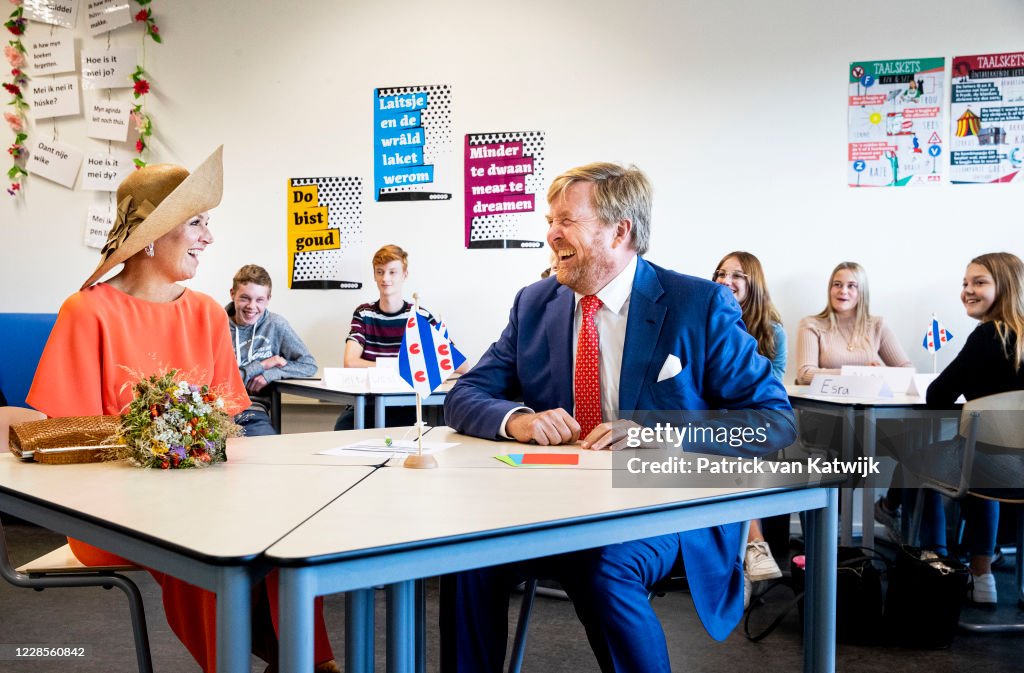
column 735, row 109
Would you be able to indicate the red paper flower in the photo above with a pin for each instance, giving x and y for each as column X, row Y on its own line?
column 139, row 145
column 15, row 91
column 142, row 16
column 141, row 87
column 153, row 29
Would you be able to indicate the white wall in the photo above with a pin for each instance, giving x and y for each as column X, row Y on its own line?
column 736, row 109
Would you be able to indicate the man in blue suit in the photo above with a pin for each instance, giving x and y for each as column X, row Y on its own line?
column 612, row 334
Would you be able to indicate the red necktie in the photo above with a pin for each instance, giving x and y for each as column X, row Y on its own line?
column 587, row 386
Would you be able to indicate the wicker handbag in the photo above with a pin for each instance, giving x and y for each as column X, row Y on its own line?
column 73, row 439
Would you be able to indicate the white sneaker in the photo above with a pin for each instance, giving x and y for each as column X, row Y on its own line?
column 983, row 589
column 759, row 563
column 890, row 519
column 748, row 588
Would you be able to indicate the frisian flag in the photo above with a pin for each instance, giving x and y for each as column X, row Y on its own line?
column 936, row 336
column 427, row 357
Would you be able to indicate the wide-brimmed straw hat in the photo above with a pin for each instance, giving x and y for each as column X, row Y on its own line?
column 153, row 201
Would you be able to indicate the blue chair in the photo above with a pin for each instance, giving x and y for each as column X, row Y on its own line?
column 22, row 338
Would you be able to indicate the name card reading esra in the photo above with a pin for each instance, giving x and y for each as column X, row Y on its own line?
column 831, row 385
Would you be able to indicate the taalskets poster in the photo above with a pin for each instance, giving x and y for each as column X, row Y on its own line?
column 412, row 143
column 504, row 173
column 986, row 118
column 895, row 122
column 325, row 233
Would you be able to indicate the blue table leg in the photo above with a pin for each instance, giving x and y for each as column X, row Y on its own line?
column 401, row 627
column 296, row 597
column 867, row 533
column 379, row 407
column 820, row 600
column 421, row 625
column 359, row 421
column 846, row 494
column 359, row 631
column 234, row 634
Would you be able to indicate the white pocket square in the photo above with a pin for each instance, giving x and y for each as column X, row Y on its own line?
column 671, row 367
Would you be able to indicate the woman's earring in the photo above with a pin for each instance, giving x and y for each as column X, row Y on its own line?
column 149, row 250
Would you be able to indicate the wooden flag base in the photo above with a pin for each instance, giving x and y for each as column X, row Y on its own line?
column 427, row 462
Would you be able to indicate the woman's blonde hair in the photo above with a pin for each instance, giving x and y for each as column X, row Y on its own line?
column 862, row 314
column 1007, row 311
column 759, row 313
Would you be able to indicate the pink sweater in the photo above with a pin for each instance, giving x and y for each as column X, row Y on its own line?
column 820, row 350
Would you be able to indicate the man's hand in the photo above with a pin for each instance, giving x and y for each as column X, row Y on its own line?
column 271, row 362
column 611, row 436
column 555, row 426
column 256, row 383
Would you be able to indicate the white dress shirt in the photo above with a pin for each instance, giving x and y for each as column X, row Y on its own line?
column 611, row 335
column 611, row 321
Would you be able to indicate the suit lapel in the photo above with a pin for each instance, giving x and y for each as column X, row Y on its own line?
column 643, row 327
column 558, row 319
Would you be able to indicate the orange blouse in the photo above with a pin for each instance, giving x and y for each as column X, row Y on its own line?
column 104, row 340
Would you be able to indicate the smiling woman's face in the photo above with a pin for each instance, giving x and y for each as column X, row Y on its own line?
column 176, row 253
column 979, row 291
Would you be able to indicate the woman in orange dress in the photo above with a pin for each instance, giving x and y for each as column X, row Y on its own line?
column 142, row 321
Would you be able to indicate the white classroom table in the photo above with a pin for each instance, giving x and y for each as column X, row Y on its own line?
column 870, row 409
column 400, row 525
column 315, row 389
column 209, row 526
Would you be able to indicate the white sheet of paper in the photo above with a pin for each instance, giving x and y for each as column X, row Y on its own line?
column 50, row 56
column 107, row 119
column 57, row 97
column 346, row 379
column 898, row 378
column 108, row 68
column 97, row 225
column 55, row 161
column 830, row 385
column 385, row 380
column 403, row 447
column 55, row 12
column 106, row 15
column 104, row 171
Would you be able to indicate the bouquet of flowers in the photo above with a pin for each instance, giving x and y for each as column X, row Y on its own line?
column 173, row 424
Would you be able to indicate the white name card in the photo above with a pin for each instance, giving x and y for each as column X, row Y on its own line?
column 386, row 380
column 346, row 379
column 104, row 171
column 919, row 384
column 55, row 161
column 54, row 98
column 108, row 68
column 849, row 386
column 898, row 378
column 97, row 226
column 107, row 119
column 51, row 56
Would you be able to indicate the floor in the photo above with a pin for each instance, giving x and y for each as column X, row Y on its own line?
column 98, row 620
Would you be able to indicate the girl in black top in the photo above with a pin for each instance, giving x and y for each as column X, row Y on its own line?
column 989, row 363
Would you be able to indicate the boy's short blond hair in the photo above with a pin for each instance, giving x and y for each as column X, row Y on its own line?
column 391, row 253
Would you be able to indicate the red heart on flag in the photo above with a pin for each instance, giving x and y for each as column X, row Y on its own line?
column 443, row 349
column 420, row 376
column 412, row 322
column 414, row 349
column 445, row 364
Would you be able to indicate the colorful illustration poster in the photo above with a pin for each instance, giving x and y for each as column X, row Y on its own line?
column 504, row 173
column 325, row 233
column 986, row 119
column 895, row 122
column 412, row 139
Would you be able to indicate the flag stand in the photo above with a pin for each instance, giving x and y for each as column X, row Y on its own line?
column 419, row 461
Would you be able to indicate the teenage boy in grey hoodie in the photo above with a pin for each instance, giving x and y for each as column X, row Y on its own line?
column 266, row 346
